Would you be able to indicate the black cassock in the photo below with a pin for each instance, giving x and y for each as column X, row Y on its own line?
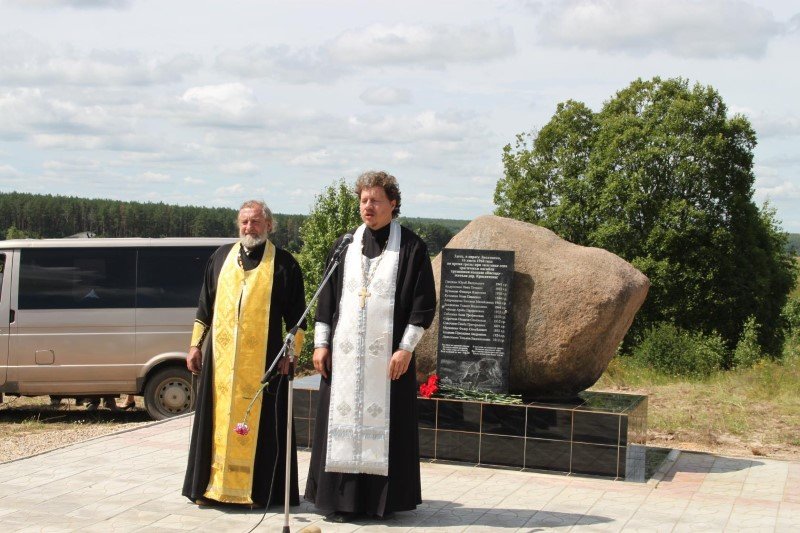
column 287, row 304
column 415, row 303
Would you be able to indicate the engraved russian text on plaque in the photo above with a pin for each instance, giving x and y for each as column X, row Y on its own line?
column 474, row 319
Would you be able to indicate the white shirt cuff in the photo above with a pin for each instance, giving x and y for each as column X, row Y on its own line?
column 411, row 337
column 322, row 335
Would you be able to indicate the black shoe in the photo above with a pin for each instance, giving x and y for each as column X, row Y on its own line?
column 339, row 517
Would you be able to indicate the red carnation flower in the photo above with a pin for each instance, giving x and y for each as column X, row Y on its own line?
column 429, row 388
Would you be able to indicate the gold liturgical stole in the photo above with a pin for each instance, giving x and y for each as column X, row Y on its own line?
column 239, row 336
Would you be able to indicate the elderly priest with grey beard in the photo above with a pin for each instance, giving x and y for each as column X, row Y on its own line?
column 370, row 316
column 252, row 294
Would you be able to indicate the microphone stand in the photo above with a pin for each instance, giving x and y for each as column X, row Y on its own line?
column 269, row 374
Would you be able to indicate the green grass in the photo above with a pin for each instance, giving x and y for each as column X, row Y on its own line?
column 748, row 411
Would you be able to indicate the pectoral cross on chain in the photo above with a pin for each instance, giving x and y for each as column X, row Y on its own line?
column 364, row 294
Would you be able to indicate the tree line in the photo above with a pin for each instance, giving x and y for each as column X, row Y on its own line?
column 25, row 215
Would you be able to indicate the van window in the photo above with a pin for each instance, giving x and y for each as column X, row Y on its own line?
column 171, row 277
column 77, row 278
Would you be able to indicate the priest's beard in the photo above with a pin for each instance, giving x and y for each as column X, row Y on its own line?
column 251, row 241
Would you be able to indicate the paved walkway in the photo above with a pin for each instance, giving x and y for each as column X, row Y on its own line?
column 131, row 482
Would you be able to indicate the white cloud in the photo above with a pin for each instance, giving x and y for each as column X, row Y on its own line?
column 23, row 111
column 711, row 28
column 227, row 105
column 298, row 193
column 68, row 142
column 231, row 98
column 483, row 180
column 794, row 24
column 76, row 4
column 7, row 171
column 317, row 158
column 122, row 143
column 153, row 177
column 769, row 125
column 764, row 174
column 402, row 155
column 241, row 168
column 164, row 151
column 375, row 45
column 385, row 96
column 431, row 45
column 304, row 65
column 427, row 125
column 25, row 60
column 81, row 164
column 230, row 190
column 785, row 190
column 193, row 181
column 447, row 199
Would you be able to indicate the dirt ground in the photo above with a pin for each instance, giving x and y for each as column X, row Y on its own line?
column 728, row 445
column 764, row 438
column 29, row 426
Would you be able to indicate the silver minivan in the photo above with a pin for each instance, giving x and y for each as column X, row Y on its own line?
column 84, row 316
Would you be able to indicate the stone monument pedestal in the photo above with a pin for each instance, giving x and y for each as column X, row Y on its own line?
column 597, row 433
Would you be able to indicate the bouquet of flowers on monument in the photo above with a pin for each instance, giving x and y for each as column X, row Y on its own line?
column 435, row 388
column 430, row 387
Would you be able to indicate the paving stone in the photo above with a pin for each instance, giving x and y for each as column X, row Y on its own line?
column 138, row 489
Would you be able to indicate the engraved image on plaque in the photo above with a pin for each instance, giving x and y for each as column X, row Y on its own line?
column 474, row 319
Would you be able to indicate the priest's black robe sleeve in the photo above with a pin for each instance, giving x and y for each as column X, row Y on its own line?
column 418, row 285
column 293, row 301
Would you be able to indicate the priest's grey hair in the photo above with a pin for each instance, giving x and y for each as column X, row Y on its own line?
column 379, row 178
column 265, row 210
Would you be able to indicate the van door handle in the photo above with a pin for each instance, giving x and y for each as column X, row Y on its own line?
column 12, row 316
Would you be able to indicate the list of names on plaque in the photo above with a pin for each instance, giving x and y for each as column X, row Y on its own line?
column 474, row 345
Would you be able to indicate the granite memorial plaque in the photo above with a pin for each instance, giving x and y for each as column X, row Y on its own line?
column 474, row 319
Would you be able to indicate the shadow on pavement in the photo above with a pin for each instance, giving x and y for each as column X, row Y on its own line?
column 449, row 514
column 703, row 463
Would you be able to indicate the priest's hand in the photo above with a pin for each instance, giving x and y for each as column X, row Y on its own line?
column 322, row 361
column 398, row 365
column 194, row 360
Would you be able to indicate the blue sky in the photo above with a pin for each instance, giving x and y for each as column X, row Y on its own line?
column 210, row 103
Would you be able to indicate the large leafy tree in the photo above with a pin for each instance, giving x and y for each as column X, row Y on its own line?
column 663, row 177
column 334, row 212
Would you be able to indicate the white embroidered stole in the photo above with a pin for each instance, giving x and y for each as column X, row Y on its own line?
column 358, row 421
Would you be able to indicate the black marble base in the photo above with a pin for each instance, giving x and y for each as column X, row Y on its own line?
column 598, row 434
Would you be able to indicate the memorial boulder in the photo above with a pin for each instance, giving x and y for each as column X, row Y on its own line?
column 570, row 307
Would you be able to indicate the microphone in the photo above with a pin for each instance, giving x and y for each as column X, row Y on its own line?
column 346, row 240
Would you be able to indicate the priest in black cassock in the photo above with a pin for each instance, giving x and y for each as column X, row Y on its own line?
column 252, row 294
column 370, row 316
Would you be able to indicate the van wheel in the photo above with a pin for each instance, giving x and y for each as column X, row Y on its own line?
column 168, row 393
